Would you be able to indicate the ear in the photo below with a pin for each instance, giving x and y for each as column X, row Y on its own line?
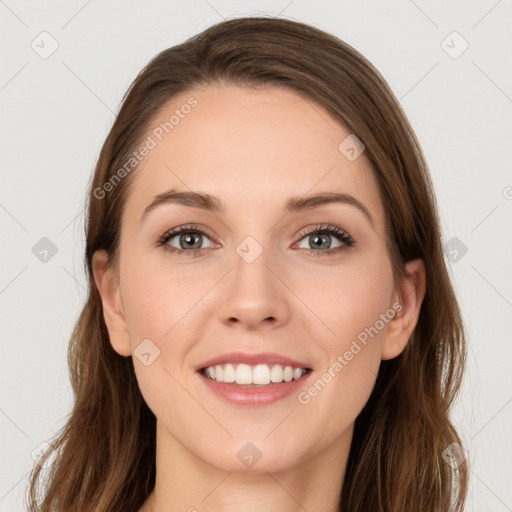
column 108, row 287
column 408, row 299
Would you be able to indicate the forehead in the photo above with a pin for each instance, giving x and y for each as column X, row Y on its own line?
column 251, row 147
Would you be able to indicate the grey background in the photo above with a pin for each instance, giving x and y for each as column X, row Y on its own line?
column 56, row 112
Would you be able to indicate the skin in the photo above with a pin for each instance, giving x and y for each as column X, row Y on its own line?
column 253, row 149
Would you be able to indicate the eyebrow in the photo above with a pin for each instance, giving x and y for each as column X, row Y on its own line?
column 213, row 204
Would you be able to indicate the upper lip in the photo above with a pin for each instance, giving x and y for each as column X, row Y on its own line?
column 252, row 359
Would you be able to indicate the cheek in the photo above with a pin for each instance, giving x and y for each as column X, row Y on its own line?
column 159, row 306
column 350, row 304
column 157, row 298
column 349, row 300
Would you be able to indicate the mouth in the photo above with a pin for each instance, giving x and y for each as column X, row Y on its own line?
column 256, row 376
column 246, row 386
column 253, row 379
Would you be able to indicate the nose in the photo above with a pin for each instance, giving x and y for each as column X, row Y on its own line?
column 255, row 295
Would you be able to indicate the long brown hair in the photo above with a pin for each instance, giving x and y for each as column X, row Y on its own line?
column 104, row 456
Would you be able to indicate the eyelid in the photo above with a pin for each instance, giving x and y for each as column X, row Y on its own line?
column 321, row 227
column 199, row 228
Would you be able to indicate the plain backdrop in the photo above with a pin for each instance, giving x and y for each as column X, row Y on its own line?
column 64, row 69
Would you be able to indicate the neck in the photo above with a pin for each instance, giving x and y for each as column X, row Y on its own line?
column 190, row 484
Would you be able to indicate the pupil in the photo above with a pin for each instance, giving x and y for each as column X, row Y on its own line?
column 189, row 240
column 320, row 238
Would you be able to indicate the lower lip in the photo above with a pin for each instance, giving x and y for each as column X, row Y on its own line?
column 254, row 396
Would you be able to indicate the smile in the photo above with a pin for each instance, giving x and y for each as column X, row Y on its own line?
column 259, row 375
column 244, row 390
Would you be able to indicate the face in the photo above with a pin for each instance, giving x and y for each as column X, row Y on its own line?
column 312, row 284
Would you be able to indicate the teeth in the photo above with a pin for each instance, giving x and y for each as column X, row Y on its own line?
column 259, row 375
column 229, row 373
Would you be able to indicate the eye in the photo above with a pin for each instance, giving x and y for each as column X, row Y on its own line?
column 189, row 240
column 320, row 237
column 185, row 239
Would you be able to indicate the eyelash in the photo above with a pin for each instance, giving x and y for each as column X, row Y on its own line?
column 342, row 235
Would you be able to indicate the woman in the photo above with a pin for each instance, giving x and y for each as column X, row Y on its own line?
column 270, row 323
